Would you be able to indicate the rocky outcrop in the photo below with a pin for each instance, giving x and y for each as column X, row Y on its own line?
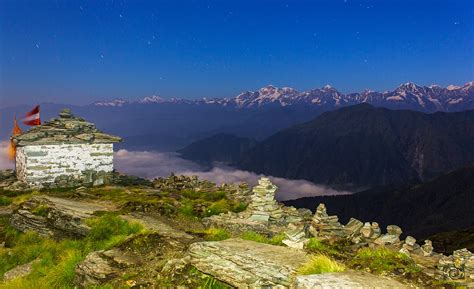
column 102, row 266
column 55, row 217
column 246, row 264
column 349, row 279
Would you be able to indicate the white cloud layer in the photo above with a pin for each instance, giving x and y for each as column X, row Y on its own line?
column 153, row 164
column 149, row 165
column 5, row 162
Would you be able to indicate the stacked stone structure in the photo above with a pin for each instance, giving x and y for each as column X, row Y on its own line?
column 324, row 225
column 263, row 205
column 64, row 151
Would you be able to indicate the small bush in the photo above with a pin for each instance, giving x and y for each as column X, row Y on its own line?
column 4, row 201
column 320, row 264
column 383, row 260
column 221, row 206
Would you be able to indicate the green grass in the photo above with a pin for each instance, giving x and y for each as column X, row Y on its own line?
column 320, row 263
column 210, row 282
column 256, row 237
column 41, row 210
column 382, row 259
column 56, row 260
column 213, row 234
column 5, row 201
column 317, row 246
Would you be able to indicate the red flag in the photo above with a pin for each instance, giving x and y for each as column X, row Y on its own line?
column 33, row 117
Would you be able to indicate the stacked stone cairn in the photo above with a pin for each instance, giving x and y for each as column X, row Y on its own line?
column 324, row 225
column 458, row 266
column 295, row 237
column 410, row 247
column 263, row 205
column 391, row 238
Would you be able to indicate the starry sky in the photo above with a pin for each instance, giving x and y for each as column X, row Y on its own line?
column 82, row 51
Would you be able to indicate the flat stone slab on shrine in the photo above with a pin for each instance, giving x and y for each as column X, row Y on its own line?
column 348, row 279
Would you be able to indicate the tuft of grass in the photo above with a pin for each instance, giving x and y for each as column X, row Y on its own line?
column 320, row 263
column 256, row 237
column 5, row 201
column 213, row 234
column 382, row 259
column 41, row 210
column 317, row 246
column 110, row 230
column 210, row 282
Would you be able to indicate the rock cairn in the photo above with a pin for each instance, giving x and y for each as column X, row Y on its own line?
column 263, row 206
column 460, row 265
column 391, row 238
column 324, row 225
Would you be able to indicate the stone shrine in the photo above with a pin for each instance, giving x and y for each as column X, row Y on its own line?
column 64, row 151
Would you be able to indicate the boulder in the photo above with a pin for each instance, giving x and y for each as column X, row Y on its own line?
column 349, row 279
column 56, row 217
column 244, row 264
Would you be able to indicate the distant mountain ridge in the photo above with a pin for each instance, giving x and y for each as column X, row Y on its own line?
column 406, row 96
column 364, row 145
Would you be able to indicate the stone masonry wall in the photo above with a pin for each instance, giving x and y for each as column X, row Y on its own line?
column 40, row 165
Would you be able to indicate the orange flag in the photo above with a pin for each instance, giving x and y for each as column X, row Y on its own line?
column 12, row 147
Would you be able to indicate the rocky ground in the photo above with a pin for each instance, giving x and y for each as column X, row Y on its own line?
column 181, row 232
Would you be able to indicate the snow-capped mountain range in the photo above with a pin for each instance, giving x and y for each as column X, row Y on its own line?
column 406, row 96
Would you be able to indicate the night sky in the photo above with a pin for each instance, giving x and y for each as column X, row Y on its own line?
column 83, row 51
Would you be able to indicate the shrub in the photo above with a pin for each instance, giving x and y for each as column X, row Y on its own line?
column 221, row 206
column 320, row 263
column 383, row 260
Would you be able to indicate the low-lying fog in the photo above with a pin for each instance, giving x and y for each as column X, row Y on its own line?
column 149, row 165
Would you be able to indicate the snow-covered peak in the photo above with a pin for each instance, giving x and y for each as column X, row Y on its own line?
column 114, row 102
column 453, row 87
column 152, row 99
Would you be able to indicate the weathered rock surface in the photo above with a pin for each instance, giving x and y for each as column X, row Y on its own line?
column 245, row 264
column 19, row 271
column 349, row 279
column 153, row 224
column 56, row 217
column 101, row 266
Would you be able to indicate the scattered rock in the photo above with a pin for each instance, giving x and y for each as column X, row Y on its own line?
column 19, row 271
